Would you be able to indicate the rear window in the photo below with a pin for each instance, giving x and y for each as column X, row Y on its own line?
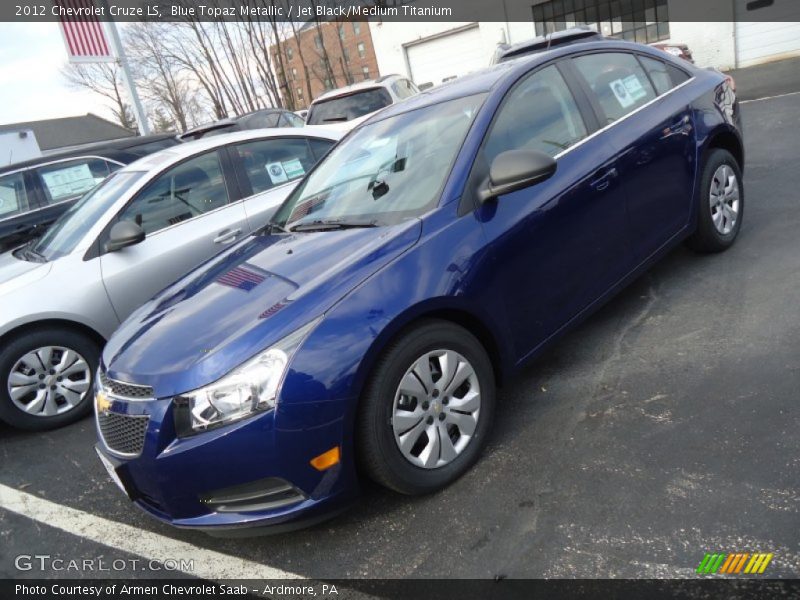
column 346, row 108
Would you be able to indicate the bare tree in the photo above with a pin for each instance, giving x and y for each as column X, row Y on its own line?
column 104, row 79
column 160, row 80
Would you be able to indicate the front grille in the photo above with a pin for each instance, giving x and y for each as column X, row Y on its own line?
column 125, row 390
column 123, row 434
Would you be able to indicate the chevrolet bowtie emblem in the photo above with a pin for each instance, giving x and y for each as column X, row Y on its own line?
column 102, row 402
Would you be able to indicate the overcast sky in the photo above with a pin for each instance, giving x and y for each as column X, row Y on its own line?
column 31, row 85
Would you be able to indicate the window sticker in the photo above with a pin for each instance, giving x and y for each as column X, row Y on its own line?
column 294, row 168
column 276, row 173
column 621, row 93
column 69, row 181
column 634, row 87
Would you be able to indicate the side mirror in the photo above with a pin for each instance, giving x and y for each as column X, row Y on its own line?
column 124, row 234
column 514, row 170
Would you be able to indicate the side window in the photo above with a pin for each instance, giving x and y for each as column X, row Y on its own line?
column 320, row 147
column 658, row 74
column 619, row 83
column 261, row 120
column 70, row 179
column 678, row 75
column 13, row 197
column 403, row 88
column 538, row 114
column 272, row 162
column 188, row 190
column 291, row 120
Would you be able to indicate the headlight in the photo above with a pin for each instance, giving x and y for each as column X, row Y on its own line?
column 674, row 50
column 250, row 388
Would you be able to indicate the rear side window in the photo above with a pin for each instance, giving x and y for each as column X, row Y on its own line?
column 71, row 179
column 538, row 114
column 269, row 163
column 678, row 75
column 618, row 82
column 13, row 197
column 657, row 70
column 346, row 108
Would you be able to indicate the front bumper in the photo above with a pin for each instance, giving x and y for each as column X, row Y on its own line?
column 245, row 478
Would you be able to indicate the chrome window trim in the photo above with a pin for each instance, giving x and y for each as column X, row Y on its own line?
column 61, row 160
column 623, row 118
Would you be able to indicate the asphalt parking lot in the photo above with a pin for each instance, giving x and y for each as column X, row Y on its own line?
column 663, row 428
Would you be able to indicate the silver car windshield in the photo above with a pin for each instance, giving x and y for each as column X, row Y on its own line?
column 63, row 235
column 384, row 172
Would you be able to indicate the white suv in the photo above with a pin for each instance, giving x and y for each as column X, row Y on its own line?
column 355, row 103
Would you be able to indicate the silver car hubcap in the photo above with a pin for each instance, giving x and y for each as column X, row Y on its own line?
column 49, row 381
column 436, row 409
column 724, row 199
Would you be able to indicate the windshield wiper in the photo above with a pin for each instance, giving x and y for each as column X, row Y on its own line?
column 335, row 119
column 323, row 225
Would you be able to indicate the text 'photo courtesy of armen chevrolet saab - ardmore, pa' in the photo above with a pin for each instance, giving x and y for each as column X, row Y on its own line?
column 399, row 299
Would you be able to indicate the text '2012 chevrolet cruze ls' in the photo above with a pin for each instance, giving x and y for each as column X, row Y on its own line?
column 434, row 251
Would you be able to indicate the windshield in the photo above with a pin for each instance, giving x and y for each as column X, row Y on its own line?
column 63, row 235
column 346, row 108
column 384, row 172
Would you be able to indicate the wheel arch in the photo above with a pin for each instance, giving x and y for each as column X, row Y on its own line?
column 459, row 315
column 725, row 138
column 50, row 323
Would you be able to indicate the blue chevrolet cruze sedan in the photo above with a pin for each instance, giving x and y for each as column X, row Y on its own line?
column 423, row 261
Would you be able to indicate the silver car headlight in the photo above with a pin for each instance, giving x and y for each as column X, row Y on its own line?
column 251, row 388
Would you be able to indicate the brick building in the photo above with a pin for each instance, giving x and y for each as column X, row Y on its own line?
column 323, row 56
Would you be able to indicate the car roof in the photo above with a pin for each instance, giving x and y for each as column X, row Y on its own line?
column 163, row 158
column 494, row 76
column 95, row 149
column 380, row 82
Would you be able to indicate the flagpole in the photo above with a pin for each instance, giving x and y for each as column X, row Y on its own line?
column 138, row 111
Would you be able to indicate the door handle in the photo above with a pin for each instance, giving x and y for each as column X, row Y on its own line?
column 227, row 236
column 602, row 182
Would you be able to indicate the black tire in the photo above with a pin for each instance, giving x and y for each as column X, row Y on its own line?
column 377, row 452
column 29, row 341
column 707, row 238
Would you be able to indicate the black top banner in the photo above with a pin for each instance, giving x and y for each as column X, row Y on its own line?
column 645, row 11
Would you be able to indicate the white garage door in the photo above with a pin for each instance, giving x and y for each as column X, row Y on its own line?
column 764, row 40
column 446, row 56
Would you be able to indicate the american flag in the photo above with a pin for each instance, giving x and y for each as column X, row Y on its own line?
column 84, row 35
column 241, row 278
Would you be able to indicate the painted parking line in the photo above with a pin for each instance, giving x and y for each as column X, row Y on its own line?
column 146, row 544
column 769, row 97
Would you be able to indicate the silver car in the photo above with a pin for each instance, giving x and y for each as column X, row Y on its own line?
column 138, row 231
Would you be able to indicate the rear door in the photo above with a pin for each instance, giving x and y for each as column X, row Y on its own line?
column 189, row 213
column 651, row 126
column 268, row 169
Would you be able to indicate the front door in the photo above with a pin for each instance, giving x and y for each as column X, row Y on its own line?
column 561, row 244
column 187, row 217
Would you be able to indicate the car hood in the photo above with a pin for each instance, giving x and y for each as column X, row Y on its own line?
column 16, row 273
column 241, row 302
